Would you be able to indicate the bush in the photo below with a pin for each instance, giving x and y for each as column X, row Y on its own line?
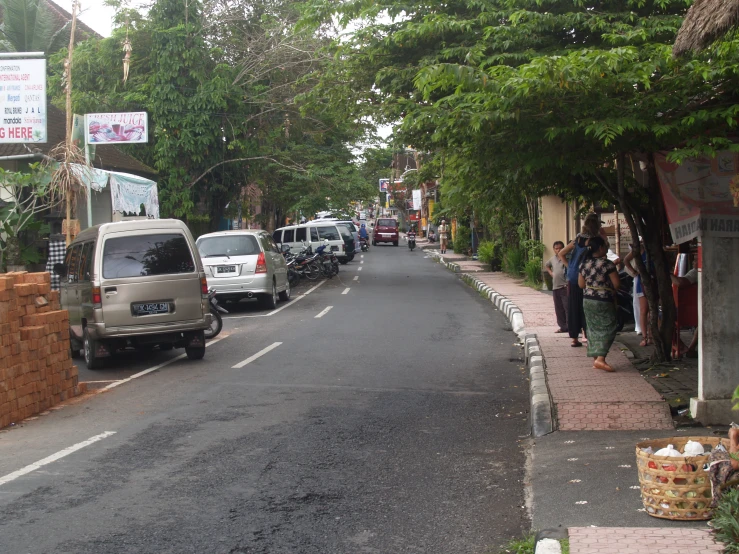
column 726, row 521
column 486, row 252
column 462, row 240
column 532, row 270
column 514, row 260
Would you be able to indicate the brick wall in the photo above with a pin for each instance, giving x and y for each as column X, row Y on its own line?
column 36, row 370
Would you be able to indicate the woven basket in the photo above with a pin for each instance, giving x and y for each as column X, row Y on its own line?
column 676, row 488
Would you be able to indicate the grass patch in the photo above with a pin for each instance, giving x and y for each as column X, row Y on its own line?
column 526, row 545
column 565, row 546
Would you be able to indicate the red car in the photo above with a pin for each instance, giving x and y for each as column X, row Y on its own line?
column 385, row 230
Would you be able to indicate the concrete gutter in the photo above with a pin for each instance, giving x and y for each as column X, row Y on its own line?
column 542, row 414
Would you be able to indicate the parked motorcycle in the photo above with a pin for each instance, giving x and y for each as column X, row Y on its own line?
column 216, row 323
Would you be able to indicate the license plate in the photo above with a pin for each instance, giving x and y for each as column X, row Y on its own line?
column 334, row 249
column 150, row 308
column 226, row 269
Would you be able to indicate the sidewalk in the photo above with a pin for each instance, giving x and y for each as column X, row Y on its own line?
column 583, row 475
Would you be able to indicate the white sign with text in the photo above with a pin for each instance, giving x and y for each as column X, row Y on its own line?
column 23, row 101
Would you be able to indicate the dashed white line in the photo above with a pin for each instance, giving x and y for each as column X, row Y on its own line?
column 273, row 312
column 359, row 268
column 323, row 313
column 259, row 354
column 160, row 366
column 362, row 257
column 356, row 278
column 361, row 262
column 54, row 457
column 346, row 290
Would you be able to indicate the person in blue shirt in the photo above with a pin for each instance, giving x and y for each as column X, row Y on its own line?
column 363, row 234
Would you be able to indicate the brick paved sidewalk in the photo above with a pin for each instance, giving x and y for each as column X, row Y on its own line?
column 641, row 540
column 584, row 398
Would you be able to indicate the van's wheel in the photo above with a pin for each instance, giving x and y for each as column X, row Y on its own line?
column 89, row 347
column 269, row 301
column 195, row 352
column 285, row 294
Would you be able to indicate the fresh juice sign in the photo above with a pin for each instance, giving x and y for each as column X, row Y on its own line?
column 23, row 101
column 130, row 127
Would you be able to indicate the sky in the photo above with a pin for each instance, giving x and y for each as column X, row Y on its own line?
column 94, row 13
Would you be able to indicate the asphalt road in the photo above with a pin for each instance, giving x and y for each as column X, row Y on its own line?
column 394, row 422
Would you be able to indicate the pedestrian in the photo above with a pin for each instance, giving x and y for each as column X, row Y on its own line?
column 557, row 270
column 579, row 247
column 599, row 280
column 639, row 292
column 443, row 230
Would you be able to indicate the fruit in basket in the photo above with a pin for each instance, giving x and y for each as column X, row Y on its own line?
column 700, row 480
column 700, row 505
column 687, row 468
column 691, row 514
column 669, row 467
column 680, row 481
column 672, row 494
column 652, row 465
column 662, row 479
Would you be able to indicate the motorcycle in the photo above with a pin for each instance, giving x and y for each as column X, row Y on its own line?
column 216, row 323
column 364, row 243
column 411, row 238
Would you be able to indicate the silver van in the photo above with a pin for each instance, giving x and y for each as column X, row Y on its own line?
column 134, row 283
column 245, row 264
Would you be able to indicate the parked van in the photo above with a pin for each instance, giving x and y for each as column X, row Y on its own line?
column 245, row 264
column 313, row 233
column 134, row 283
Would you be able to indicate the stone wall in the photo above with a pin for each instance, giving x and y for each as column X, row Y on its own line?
column 36, row 370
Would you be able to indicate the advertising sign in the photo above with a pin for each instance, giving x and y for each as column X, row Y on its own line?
column 701, row 196
column 23, row 100
column 384, row 184
column 417, row 199
column 116, row 128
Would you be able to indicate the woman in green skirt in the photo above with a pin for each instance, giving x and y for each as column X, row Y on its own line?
column 599, row 280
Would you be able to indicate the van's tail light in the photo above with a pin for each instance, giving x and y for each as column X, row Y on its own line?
column 261, row 264
column 204, row 286
column 343, row 247
column 97, row 299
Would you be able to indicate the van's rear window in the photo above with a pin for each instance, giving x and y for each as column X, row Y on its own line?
column 386, row 223
column 142, row 255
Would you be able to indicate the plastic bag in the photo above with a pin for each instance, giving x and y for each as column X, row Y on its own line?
column 693, row 448
column 669, row 451
column 648, row 450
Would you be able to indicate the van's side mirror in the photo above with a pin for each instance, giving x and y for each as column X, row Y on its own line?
column 285, row 248
column 60, row 269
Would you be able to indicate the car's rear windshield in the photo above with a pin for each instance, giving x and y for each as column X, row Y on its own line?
column 386, row 223
column 330, row 233
column 236, row 245
column 142, row 255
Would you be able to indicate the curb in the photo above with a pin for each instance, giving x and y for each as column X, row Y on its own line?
column 542, row 414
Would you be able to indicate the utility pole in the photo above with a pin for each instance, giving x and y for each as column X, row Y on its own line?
column 68, row 149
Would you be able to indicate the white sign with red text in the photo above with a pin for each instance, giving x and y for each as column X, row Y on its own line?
column 116, row 128
column 23, row 101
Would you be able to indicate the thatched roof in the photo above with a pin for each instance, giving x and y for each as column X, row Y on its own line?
column 706, row 21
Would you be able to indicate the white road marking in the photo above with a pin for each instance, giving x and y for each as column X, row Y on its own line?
column 160, row 366
column 259, row 354
column 356, row 278
column 361, row 262
column 273, row 312
column 54, row 457
column 346, row 290
column 362, row 257
column 359, row 268
column 323, row 313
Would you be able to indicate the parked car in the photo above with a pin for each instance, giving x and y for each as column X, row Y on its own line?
column 245, row 264
column 134, row 283
column 351, row 241
column 312, row 234
column 385, row 230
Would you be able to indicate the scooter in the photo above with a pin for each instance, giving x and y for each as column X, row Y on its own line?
column 364, row 243
column 411, row 238
column 216, row 323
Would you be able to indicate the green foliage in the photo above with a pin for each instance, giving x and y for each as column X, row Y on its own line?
column 462, row 240
column 735, row 398
column 514, row 260
column 30, row 26
column 532, row 271
column 525, row 545
column 726, row 521
column 486, row 251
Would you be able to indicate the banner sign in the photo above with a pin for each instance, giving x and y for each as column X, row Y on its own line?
column 384, row 184
column 128, row 192
column 417, row 199
column 23, row 101
column 701, row 196
column 117, row 128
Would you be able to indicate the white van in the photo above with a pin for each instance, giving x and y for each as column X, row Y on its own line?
column 312, row 233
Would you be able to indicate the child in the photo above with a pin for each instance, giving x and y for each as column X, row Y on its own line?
column 556, row 269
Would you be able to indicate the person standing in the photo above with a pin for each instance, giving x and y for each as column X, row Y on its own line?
column 443, row 235
column 579, row 247
column 599, row 280
column 557, row 270
column 639, row 292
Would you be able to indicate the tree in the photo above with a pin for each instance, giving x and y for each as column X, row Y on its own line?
column 29, row 26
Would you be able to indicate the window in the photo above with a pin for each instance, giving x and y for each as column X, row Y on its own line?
column 234, row 245
column 273, row 245
column 345, row 232
column 300, row 235
column 288, row 235
column 330, row 233
column 277, row 235
column 73, row 262
column 313, row 234
column 142, row 255
column 387, row 223
column 85, row 271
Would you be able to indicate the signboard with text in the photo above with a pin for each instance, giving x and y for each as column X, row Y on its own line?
column 116, row 128
column 23, row 101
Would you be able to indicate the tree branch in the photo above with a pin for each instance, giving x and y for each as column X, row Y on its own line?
column 295, row 167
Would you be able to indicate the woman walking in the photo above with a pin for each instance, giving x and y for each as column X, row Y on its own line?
column 599, row 280
column 579, row 248
column 443, row 235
